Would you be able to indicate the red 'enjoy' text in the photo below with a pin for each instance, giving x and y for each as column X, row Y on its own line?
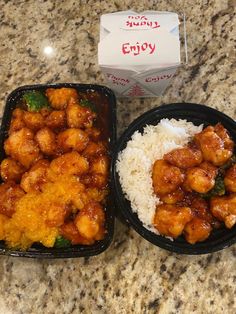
column 138, row 48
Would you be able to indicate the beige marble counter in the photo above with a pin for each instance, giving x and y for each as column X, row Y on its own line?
column 132, row 276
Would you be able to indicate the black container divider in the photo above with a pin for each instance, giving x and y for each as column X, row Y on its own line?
column 37, row 250
column 198, row 114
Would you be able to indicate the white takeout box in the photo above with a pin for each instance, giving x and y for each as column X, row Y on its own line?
column 139, row 52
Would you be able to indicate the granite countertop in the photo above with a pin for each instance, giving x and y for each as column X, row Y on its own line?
column 132, row 276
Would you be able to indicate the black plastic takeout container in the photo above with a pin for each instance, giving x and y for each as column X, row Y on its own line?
column 198, row 114
column 39, row 251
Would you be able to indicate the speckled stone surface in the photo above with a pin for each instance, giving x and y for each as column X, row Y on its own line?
column 132, row 276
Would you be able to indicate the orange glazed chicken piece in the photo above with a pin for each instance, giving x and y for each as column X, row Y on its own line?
column 37, row 175
column 215, row 148
column 3, row 221
column 21, row 146
column 223, row 134
column 70, row 232
column 46, row 140
column 230, row 179
column 197, row 230
column 166, row 178
column 10, row 193
column 185, row 157
column 98, row 173
column 94, row 149
column 56, row 119
column 45, row 111
column 200, row 179
column 170, row 220
column 59, row 97
column 174, row 197
column 78, row 116
column 93, row 133
column 69, row 164
column 200, row 227
column 33, row 120
column 75, row 139
column 11, row 170
column 224, row 209
column 90, row 221
column 17, row 121
column 200, row 209
column 56, row 214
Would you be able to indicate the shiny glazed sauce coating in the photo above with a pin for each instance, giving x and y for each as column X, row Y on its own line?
column 55, row 174
column 196, row 185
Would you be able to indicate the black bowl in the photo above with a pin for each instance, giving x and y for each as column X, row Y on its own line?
column 38, row 250
column 198, row 114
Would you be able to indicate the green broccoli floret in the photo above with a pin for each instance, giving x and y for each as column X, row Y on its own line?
column 217, row 190
column 219, row 187
column 62, row 242
column 35, row 100
column 88, row 104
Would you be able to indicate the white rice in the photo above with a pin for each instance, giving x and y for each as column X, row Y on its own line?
column 134, row 164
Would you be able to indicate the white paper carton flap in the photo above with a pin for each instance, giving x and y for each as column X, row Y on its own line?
column 121, row 79
column 130, row 20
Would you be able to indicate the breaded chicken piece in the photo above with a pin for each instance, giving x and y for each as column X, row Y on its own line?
column 94, row 180
column 170, row 220
column 11, row 170
column 56, row 214
column 185, row 157
column 90, row 221
column 96, row 194
column 46, row 140
column 224, row 135
column 56, row 119
column 197, row 230
column 100, row 165
column 33, row 179
column 70, row 232
column 78, row 116
column 3, row 220
column 224, row 209
column 69, row 164
column 21, row 146
column 94, row 134
column 45, row 112
column 17, row 121
column 165, row 177
column 200, row 179
column 10, row 193
column 209, row 168
column 59, row 97
column 200, row 209
column 75, row 139
column 215, row 144
column 33, row 120
column 173, row 197
column 230, row 179
column 94, row 149
column 98, row 172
